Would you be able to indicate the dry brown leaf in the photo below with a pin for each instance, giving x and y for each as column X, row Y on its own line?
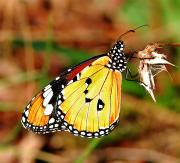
column 151, row 63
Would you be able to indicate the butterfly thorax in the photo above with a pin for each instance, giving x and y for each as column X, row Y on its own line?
column 118, row 59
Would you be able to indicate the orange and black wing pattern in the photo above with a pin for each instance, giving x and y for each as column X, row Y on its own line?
column 40, row 115
column 85, row 100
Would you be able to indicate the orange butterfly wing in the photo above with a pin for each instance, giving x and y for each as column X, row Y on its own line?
column 40, row 115
column 84, row 100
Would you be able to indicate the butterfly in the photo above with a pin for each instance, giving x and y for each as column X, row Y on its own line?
column 84, row 100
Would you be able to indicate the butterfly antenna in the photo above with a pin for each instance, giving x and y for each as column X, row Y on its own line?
column 169, row 44
column 132, row 31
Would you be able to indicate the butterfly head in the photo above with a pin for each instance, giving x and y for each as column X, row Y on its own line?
column 118, row 59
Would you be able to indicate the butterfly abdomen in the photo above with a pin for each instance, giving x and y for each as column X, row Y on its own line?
column 118, row 59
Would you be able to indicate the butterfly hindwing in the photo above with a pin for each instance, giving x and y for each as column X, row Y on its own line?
column 92, row 102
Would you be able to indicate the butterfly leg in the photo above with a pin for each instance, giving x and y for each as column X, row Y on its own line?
column 132, row 77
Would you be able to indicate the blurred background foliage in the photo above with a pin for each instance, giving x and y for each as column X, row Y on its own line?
column 39, row 39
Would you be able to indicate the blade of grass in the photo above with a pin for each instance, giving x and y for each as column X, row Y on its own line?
column 11, row 135
column 49, row 46
column 93, row 144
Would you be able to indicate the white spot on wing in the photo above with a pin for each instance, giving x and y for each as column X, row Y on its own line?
column 57, row 78
column 96, row 134
column 47, row 99
column 71, row 81
column 83, row 133
column 70, row 127
column 101, row 132
column 78, row 76
column 46, row 92
column 48, row 110
column 56, row 125
column 51, row 126
column 75, row 132
column 89, row 134
column 23, row 119
column 100, row 106
column 59, row 102
column 47, row 87
column 27, row 113
column 65, row 123
column 52, row 120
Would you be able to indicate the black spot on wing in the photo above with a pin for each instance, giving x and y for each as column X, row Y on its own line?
column 75, row 79
column 88, row 81
column 88, row 100
column 57, row 86
column 100, row 105
column 86, row 91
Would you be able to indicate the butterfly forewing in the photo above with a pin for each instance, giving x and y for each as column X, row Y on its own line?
column 40, row 115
